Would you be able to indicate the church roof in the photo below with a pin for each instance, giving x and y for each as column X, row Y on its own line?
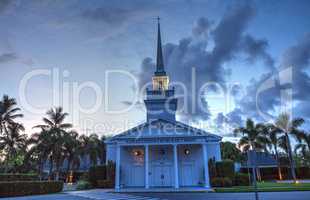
column 164, row 128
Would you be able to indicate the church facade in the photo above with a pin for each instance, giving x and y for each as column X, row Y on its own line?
column 162, row 152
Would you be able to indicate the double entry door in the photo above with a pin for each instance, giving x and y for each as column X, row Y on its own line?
column 161, row 173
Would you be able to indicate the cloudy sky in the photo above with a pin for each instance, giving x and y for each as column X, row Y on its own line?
column 92, row 57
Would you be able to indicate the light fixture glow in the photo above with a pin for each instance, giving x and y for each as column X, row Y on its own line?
column 187, row 152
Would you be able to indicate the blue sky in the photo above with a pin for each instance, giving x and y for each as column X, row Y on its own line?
column 84, row 39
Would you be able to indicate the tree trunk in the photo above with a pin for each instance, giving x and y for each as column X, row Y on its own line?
column 68, row 169
column 57, row 171
column 259, row 177
column 40, row 169
column 292, row 164
column 69, row 164
column 278, row 163
column 7, row 162
column 51, row 168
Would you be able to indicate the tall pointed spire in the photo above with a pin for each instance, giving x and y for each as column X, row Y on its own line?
column 160, row 71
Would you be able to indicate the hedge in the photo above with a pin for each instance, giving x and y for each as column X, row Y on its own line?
column 97, row 173
column 102, row 172
column 19, row 177
column 271, row 173
column 105, row 184
column 22, row 188
column 221, row 182
column 225, row 168
column 241, row 179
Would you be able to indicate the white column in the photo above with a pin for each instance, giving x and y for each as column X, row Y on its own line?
column 206, row 167
column 176, row 167
column 146, row 164
column 118, row 167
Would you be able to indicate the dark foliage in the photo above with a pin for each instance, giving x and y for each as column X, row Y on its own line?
column 225, row 168
column 22, row 188
column 18, row 177
column 221, row 182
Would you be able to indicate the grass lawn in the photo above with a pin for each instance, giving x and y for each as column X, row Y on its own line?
column 268, row 187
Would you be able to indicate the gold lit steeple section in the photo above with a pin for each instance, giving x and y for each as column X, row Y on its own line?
column 160, row 82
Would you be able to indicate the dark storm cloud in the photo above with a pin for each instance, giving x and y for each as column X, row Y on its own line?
column 229, row 40
column 295, row 61
column 201, row 27
column 231, row 120
column 4, row 4
column 111, row 14
column 108, row 15
column 256, row 49
column 297, row 55
column 7, row 57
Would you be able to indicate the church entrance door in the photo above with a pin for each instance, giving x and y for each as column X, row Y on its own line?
column 187, row 173
column 162, row 167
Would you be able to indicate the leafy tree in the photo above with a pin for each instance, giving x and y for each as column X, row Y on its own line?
column 230, row 151
column 13, row 142
column 92, row 147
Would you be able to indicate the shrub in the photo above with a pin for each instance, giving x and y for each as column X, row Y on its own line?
column 21, row 188
column 102, row 172
column 225, row 168
column 96, row 173
column 84, row 177
column 19, row 177
column 212, row 168
column 105, row 184
column 83, row 185
column 221, row 182
column 241, row 179
column 111, row 171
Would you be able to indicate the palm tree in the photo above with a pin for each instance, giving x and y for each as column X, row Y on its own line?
column 289, row 126
column 304, row 145
column 12, row 142
column 253, row 138
column 8, row 112
column 91, row 147
column 42, row 146
column 72, row 150
column 273, row 133
column 56, row 131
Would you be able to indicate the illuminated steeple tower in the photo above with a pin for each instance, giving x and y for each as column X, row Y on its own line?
column 160, row 79
column 160, row 101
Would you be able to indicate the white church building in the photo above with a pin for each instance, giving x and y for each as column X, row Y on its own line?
column 162, row 152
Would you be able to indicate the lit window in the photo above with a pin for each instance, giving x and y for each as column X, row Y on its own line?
column 137, row 153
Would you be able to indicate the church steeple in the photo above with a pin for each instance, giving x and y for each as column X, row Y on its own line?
column 160, row 71
column 160, row 79
column 160, row 101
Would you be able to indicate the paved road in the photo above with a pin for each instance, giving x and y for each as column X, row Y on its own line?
column 101, row 195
